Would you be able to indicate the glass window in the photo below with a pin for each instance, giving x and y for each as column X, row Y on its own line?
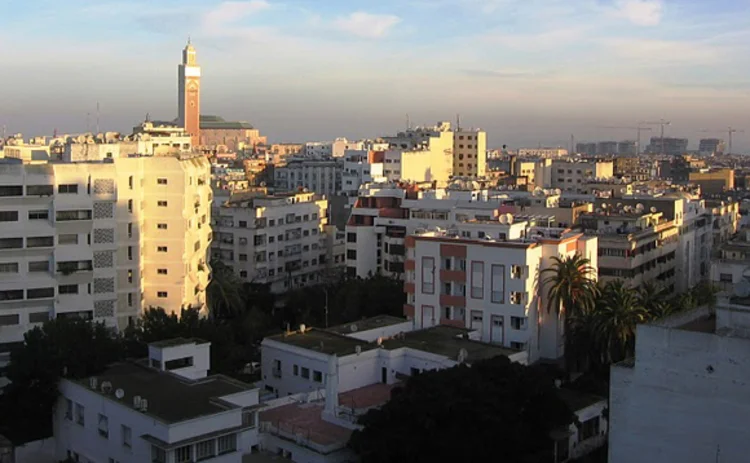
column 428, row 275
column 205, row 450
column 183, row 454
column 127, row 435
column 68, row 189
column 80, row 415
column 227, row 443
column 477, row 280
column 8, row 216
column 103, row 426
column 498, row 284
column 158, row 455
column 317, row 376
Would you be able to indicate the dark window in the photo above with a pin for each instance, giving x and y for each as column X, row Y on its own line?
column 161, row 181
column 71, row 188
column 39, row 266
column 11, row 295
column 6, row 320
column 179, row 363
column 11, row 190
column 161, row 203
column 40, row 293
column 40, row 242
column 8, row 216
column 243, row 224
column 38, row 215
column 39, row 190
column 351, row 254
column 83, row 214
column 351, row 237
column 67, row 289
column 11, row 243
column 38, row 317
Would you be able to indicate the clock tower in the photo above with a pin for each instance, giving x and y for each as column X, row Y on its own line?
column 189, row 94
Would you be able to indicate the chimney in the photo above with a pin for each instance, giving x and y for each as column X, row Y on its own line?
column 332, row 387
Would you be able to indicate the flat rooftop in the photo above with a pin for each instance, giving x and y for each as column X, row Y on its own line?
column 700, row 325
column 307, row 418
column 576, row 400
column 367, row 324
column 177, row 342
column 447, row 341
column 171, row 399
column 326, row 342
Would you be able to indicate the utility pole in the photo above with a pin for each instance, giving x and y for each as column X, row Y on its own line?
column 97, row 117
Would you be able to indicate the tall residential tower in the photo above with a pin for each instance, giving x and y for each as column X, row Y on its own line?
column 189, row 99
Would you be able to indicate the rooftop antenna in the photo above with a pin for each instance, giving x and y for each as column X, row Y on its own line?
column 88, row 122
column 408, row 122
column 97, row 117
column 458, row 122
column 148, row 117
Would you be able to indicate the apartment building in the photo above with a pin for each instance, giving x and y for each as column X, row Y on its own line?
column 360, row 167
column 711, row 146
column 484, row 275
column 542, row 152
column 469, row 152
column 668, row 146
column 635, row 245
column 573, row 175
column 275, row 239
column 161, row 409
column 713, row 181
column 422, row 154
column 731, row 264
column 101, row 240
column 321, row 176
column 331, row 149
column 683, row 397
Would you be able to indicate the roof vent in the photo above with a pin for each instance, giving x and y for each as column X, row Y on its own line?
column 358, row 349
column 93, row 382
column 302, row 328
column 144, row 405
column 106, row 387
column 137, row 402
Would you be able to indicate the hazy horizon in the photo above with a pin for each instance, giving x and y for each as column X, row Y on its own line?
column 529, row 72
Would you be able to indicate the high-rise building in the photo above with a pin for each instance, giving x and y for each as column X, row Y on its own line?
column 710, row 146
column 469, row 152
column 667, row 145
column 188, row 95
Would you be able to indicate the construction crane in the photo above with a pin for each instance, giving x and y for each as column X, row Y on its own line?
column 638, row 131
column 730, row 131
column 660, row 123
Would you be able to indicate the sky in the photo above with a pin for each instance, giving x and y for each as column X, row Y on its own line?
column 528, row 72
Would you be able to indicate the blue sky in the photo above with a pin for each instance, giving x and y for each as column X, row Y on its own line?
column 528, row 71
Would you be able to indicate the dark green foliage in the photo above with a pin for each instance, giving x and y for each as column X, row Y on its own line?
column 479, row 413
column 71, row 347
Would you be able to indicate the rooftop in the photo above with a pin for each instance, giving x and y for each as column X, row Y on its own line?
column 576, row 400
column 326, row 342
column 177, row 342
column 171, row 399
column 379, row 321
column 447, row 341
column 218, row 123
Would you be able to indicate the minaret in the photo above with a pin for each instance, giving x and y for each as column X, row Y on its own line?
column 189, row 94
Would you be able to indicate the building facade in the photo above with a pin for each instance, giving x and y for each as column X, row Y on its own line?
column 281, row 240
column 469, row 152
column 321, row 176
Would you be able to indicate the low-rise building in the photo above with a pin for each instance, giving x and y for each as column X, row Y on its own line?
column 713, row 181
column 542, row 152
column 321, row 176
column 161, row 409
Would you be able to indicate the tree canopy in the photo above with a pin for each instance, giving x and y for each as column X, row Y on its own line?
column 493, row 408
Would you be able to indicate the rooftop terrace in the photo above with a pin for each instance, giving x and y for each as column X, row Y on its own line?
column 379, row 321
column 322, row 341
column 447, row 341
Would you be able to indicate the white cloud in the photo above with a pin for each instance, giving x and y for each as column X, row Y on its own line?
column 640, row 12
column 666, row 52
column 366, row 25
column 233, row 11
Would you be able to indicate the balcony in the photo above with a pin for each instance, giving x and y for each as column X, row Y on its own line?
column 68, row 268
column 453, row 275
column 71, row 216
column 453, row 301
column 409, row 311
column 409, row 288
column 410, row 265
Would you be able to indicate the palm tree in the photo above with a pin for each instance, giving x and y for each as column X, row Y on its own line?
column 571, row 290
column 653, row 298
column 617, row 314
column 223, row 294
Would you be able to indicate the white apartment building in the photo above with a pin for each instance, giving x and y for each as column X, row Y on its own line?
column 329, row 149
column 164, row 409
column 321, row 176
column 423, row 154
column 280, row 239
column 102, row 240
column 684, row 397
column 469, row 152
column 730, row 266
column 635, row 246
column 542, row 152
column 360, row 167
column 485, row 275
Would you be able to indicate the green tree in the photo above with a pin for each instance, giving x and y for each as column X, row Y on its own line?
column 452, row 415
column 613, row 325
column 73, row 348
column 571, row 290
column 224, row 292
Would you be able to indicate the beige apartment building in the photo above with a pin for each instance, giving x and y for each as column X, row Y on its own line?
column 282, row 240
column 422, row 154
column 102, row 240
column 469, row 153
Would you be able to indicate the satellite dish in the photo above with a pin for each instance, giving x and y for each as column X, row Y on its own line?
column 119, row 393
column 504, row 219
column 653, row 210
column 353, row 328
column 509, row 218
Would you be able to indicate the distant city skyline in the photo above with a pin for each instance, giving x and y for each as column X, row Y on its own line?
column 529, row 72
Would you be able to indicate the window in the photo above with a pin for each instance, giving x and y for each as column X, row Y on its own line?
column 351, row 254
column 9, row 320
column 39, row 215
column 271, row 223
column 227, row 444
column 130, row 230
column 518, row 323
column 161, row 181
column 68, row 409
column 11, row 243
column 295, row 370
column 126, row 434
column 39, row 190
column 66, row 216
column 67, row 239
column 130, row 205
column 205, row 450
column 40, row 242
column 589, row 429
column 103, row 426
column 162, row 294
column 518, row 345
column 11, row 295
column 725, row 277
column 67, row 289
column 516, row 271
column 477, row 280
column 161, row 249
column 130, row 182
column 498, row 284
column 71, row 188
column 130, row 299
column 305, row 373
column 40, row 293
column 161, row 226
column 428, row 275
column 243, row 224
column 39, row 317
column 516, row 298
column 80, row 415
column 243, row 257
column 161, row 271
column 8, row 216
column 130, row 252
column 158, row 455
column 39, row 266
column 11, row 190
column 9, row 267
column 317, row 376
column 161, row 203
